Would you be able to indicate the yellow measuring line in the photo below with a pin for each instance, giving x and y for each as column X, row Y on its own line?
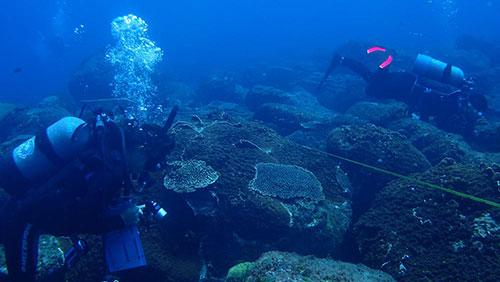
column 412, row 179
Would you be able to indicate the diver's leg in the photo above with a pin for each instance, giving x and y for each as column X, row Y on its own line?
column 21, row 252
column 333, row 64
column 357, row 67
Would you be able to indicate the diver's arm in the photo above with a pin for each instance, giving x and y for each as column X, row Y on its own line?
column 96, row 211
column 95, row 220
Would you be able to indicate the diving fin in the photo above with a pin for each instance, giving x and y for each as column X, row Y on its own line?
column 171, row 118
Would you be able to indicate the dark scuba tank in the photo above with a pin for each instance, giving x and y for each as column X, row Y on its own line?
column 439, row 71
column 40, row 157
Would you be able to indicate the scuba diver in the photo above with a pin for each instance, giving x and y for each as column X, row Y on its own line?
column 433, row 90
column 75, row 178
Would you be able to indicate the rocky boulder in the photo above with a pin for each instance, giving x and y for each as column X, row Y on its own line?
column 315, row 132
column 282, row 77
column 417, row 233
column 30, row 120
column 6, row 109
column 220, row 88
column 285, row 118
column 339, row 92
column 256, row 217
column 378, row 113
column 92, row 79
column 260, row 95
column 293, row 111
column 378, row 147
column 434, row 143
column 283, row 267
column 486, row 136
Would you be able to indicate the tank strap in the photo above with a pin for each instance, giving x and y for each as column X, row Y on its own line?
column 43, row 143
column 447, row 73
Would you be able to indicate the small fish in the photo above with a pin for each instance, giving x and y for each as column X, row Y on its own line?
column 17, row 69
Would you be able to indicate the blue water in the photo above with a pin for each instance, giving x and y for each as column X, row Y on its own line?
column 200, row 36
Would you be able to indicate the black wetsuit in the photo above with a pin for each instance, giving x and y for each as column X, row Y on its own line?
column 382, row 83
column 75, row 201
column 83, row 198
column 450, row 112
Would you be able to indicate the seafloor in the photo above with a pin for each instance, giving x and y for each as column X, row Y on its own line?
column 252, row 198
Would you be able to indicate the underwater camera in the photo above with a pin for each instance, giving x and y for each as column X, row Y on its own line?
column 154, row 210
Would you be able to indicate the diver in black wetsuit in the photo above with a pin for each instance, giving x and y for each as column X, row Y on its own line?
column 54, row 191
column 449, row 102
column 72, row 178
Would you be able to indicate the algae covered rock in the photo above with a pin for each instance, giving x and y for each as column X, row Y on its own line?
column 287, row 112
column 285, row 119
column 282, row 77
column 234, row 149
column 30, row 120
column 416, row 233
column 92, row 79
column 250, row 221
column 284, row 267
column 261, row 94
column 376, row 146
column 486, row 136
column 6, row 109
column 339, row 92
column 239, row 272
column 378, row 113
column 220, row 87
column 433, row 142
column 314, row 133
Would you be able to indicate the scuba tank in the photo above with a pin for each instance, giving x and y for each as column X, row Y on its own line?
column 431, row 68
column 40, row 157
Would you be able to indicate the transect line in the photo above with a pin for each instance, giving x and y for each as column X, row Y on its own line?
column 412, row 179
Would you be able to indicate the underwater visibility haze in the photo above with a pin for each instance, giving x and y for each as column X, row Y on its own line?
column 49, row 39
column 246, row 141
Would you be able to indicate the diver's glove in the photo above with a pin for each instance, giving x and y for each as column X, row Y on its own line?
column 131, row 215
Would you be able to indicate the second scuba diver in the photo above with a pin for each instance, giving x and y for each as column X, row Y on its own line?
column 434, row 90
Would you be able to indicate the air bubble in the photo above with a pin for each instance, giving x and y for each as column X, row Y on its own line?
column 134, row 57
